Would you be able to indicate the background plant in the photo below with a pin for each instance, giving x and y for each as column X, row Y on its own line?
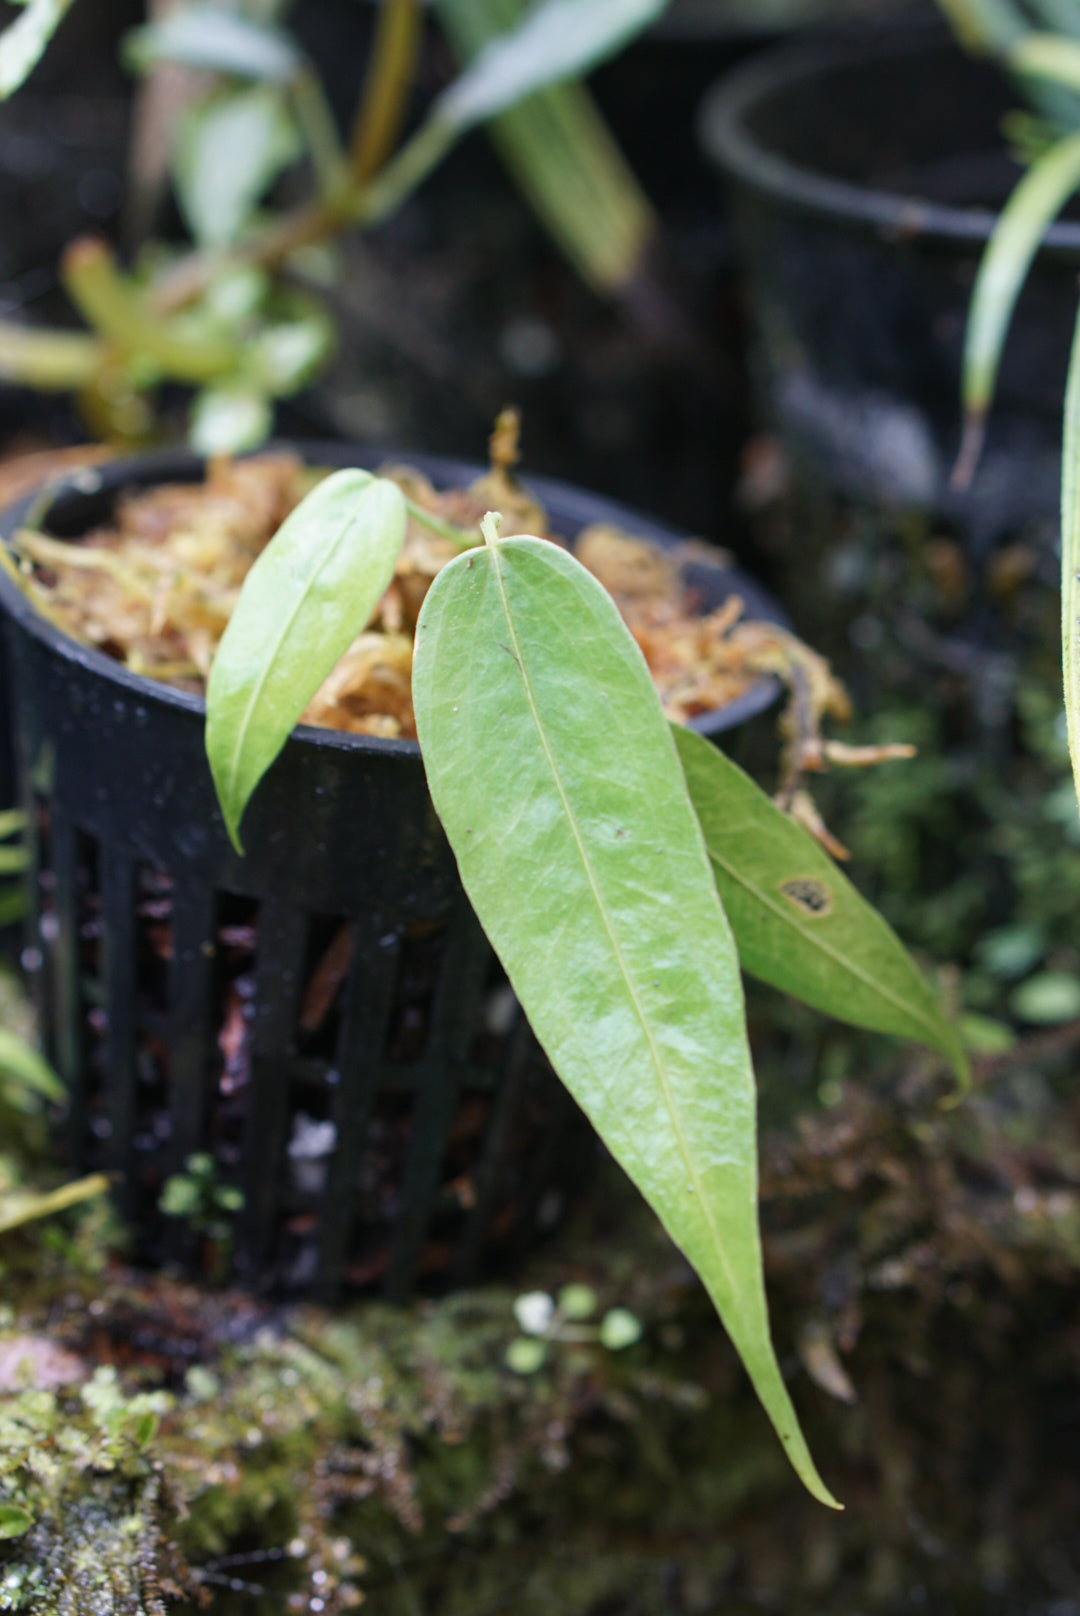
column 599, row 849
column 240, row 318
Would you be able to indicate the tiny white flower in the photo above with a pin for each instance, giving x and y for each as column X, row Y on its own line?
column 534, row 1312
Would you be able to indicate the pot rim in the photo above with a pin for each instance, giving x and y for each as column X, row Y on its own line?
column 725, row 137
column 179, row 465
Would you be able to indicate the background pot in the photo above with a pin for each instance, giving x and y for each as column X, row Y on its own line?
column 867, row 172
column 324, row 1015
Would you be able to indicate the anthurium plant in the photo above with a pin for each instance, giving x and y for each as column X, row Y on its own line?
column 621, row 867
column 239, row 316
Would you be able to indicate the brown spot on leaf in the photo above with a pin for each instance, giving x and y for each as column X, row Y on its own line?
column 809, row 894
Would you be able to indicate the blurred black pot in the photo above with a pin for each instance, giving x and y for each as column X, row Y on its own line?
column 866, row 174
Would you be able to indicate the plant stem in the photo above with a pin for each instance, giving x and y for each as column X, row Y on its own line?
column 47, row 360
column 465, row 538
column 386, row 85
column 316, row 119
column 186, row 281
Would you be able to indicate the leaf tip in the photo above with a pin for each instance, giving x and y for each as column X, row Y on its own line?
column 490, row 526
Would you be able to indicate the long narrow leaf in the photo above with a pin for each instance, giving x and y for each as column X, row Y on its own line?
column 798, row 922
column 23, row 42
column 31, row 1070
column 555, row 41
column 308, row 596
column 1031, row 209
column 15, row 1210
column 1070, row 557
column 1047, row 56
column 556, row 779
column 564, row 158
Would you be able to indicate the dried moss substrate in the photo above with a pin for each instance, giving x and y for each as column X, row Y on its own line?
column 923, row 1261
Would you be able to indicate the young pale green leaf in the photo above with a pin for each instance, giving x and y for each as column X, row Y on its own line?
column 219, row 41
column 23, row 42
column 1025, row 218
column 29, row 1069
column 1070, row 557
column 14, row 1521
column 228, row 151
column 555, row 41
column 229, row 420
column 1048, row 56
column 308, row 596
column 799, row 924
column 557, row 781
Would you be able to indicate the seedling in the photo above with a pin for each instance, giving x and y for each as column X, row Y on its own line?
column 615, row 862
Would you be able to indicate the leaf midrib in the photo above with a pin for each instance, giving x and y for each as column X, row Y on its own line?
column 669, row 1100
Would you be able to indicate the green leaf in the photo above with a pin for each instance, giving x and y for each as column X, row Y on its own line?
column 286, row 356
column 16, row 1210
column 229, row 420
column 1049, row 998
column 308, row 596
column 219, row 41
column 556, row 40
column 799, row 924
column 1047, row 56
column 619, row 1330
column 1034, row 204
column 23, row 42
column 145, row 1428
column 228, row 151
column 14, row 1521
column 556, row 779
column 31, row 1070
column 1070, row 557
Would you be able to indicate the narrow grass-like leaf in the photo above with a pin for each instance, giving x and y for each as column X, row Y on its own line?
column 19, row 1209
column 1031, row 209
column 1047, row 56
column 798, row 922
column 308, row 596
column 563, row 156
column 557, row 781
column 1070, row 557
column 556, row 40
column 29, row 1069
column 23, row 42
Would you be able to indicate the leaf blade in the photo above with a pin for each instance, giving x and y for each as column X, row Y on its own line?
column 1034, row 204
column 557, row 40
column 309, row 594
column 228, row 151
column 1070, row 557
column 24, row 41
column 218, row 41
column 22, row 1062
column 821, row 942
column 554, row 773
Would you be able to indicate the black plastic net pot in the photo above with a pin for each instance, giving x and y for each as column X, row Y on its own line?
column 322, row 1017
column 867, row 173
